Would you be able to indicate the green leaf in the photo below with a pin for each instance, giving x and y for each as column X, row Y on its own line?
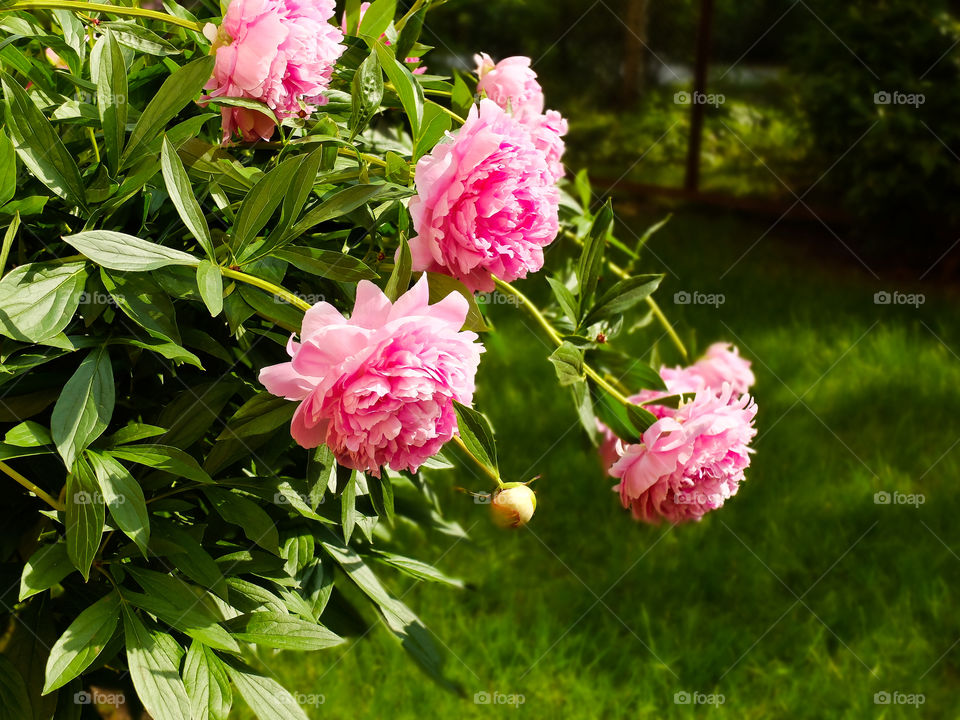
column 567, row 300
column 8, row 237
column 28, row 434
column 405, row 85
column 207, row 683
column 124, row 498
column 175, row 93
column 163, row 457
column 279, row 630
column 339, row 204
column 84, row 407
column 417, row 569
column 46, row 567
column 442, row 285
column 181, row 193
column 185, row 613
column 366, row 93
column 8, row 172
column 381, row 495
column 613, row 414
column 590, row 266
column 111, row 95
column 398, row 169
column 266, row 697
column 142, row 300
column 139, row 38
column 400, row 277
column 39, row 146
column 348, row 507
column 436, row 122
column 248, row 103
column 37, row 301
column 568, row 361
column 407, row 627
column 327, row 263
column 82, row 642
column 273, row 307
column 256, row 524
column 377, row 18
column 119, row 251
column 259, row 204
column 155, row 676
column 210, row 283
column 475, row 431
column 299, row 191
column 14, row 697
column 621, row 297
column 410, row 33
column 85, row 517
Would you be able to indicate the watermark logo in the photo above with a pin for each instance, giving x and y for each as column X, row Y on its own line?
column 309, row 298
column 898, row 298
column 496, row 298
column 699, row 98
column 82, row 497
column 683, row 697
column 685, row 297
column 898, row 498
column 681, row 498
column 513, row 700
column 98, row 697
column 287, row 498
column 482, row 498
column 99, row 298
column 896, row 697
column 895, row 97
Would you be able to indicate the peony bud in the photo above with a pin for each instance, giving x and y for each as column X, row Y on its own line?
column 513, row 506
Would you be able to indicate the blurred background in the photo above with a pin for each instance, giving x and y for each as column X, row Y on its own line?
column 806, row 152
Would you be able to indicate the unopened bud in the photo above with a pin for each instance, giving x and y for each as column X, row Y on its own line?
column 513, row 505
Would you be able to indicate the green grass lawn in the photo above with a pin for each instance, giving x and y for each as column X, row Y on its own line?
column 801, row 598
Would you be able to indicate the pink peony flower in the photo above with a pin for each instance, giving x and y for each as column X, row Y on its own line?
column 721, row 364
column 548, row 131
column 378, row 388
column 281, row 52
column 486, row 202
column 511, row 84
column 363, row 11
column 689, row 461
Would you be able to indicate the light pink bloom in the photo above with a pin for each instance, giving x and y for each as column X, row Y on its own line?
column 511, row 84
column 363, row 11
column 486, row 202
column 548, row 131
column 378, row 389
column 689, row 461
column 281, row 52
column 721, row 364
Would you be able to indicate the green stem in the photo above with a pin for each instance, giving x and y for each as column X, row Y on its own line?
column 654, row 307
column 555, row 337
column 80, row 6
column 486, row 471
column 42, row 494
column 268, row 286
column 372, row 159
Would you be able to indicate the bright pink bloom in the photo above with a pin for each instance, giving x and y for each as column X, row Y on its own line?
column 511, row 84
column 486, row 202
column 281, row 52
column 548, row 131
column 689, row 461
column 363, row 11
column 378, row 389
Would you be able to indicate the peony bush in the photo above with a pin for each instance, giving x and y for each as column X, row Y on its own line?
column 240, row 338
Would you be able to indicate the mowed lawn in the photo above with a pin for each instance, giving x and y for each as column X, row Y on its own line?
column 802, row 598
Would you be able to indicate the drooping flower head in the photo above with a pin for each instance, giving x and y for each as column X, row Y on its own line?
column 378, row 388
column 281, row 52
column 486, row 202
column 690, row 460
